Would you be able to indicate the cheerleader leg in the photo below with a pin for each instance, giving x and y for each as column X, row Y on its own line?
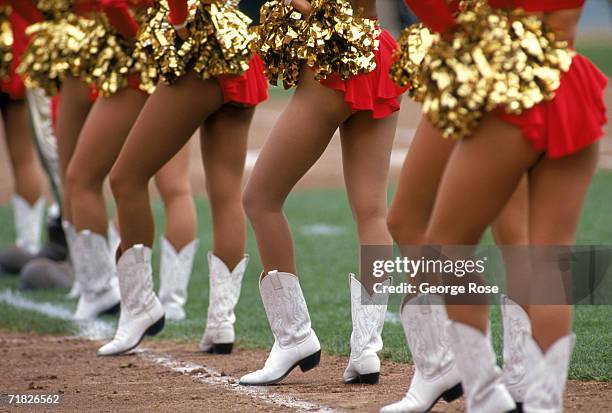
column 100, row 142
column 26, row 169
column 166, row 123
column 554, row 217
column 418, row 184
column 178, row 245
column 223, row 139
column 366, row 153
column 74, row 106
column 174, row 186
column 296, row 142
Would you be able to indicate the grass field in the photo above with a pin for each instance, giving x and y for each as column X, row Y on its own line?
column 327, row 252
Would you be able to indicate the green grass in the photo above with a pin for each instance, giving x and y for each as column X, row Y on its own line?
column 324, row 263
column 600, row 52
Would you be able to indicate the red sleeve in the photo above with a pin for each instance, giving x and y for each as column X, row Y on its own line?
column 119, row 16
column 436, row 14
column 27, row 10
column 178, row 11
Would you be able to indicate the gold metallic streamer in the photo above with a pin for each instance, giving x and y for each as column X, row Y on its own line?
column 505, row 59
column 56, row 47
column 218, row 43
column 115, row 59
column 331, row 40
column 6, row 43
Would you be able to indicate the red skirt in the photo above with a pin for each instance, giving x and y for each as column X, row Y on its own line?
column 373, row 91
column 13, row 85
column 248, row 89
column 573, row 119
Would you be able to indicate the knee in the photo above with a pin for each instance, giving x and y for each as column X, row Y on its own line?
column 178, row 191
column 120, row 183
column 403, row 231
column 224, row 197
column 504, row 234
column 78, row 181
column 369, row 214
column 254, row 202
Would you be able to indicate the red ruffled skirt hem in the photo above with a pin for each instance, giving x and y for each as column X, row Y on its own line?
column 249, row 89
column 373, row 91
column 573, row 119
column 13, row 85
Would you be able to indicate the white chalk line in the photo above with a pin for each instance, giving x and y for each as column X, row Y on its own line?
column 96, row 330
column 316, row 230
column 213, row 377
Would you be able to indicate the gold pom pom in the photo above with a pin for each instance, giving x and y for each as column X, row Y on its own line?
column 331, row 40
column 413, row 46
column 38, row 64
column 496, row 59
column 6, row 43
column 218, row 43
column 280, row 42
column 336, row 41
column 57, row 48
column 54, row 9
column 115, row 60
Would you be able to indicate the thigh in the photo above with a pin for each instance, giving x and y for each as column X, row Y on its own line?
column 298, row 138
column 366, row 153
column 557, row 190
column 104, row 133
column 224, row 137
column 419, row 180
column 511, row 227
column 167, row 122
column 482, row 173
column 17, row 131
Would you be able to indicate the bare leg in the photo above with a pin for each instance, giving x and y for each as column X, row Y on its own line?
column 298, row 139
column 511, row 233
column 74, row 106
column 175, row 188
column 477, row 184
column 26, row 169
column 224, row 138
column 366, row 152
column 101, row 140
column 166, row 123
column 418, row 185
column 554, row 216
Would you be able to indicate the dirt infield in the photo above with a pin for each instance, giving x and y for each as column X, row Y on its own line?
column 48, row 364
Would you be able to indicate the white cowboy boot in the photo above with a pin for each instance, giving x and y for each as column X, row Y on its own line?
column 481, row 379
column 547, row 375
column 75, row 290
column 517, row 330
column 435, row 376
column 141, row 312
column 368, row 316
column 225, row 287
column 175, row 271
column 114, row 239
column 96, row 272
column 295, row 342
column 28, row 223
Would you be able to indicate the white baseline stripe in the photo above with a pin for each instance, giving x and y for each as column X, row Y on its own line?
column 99, row 329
